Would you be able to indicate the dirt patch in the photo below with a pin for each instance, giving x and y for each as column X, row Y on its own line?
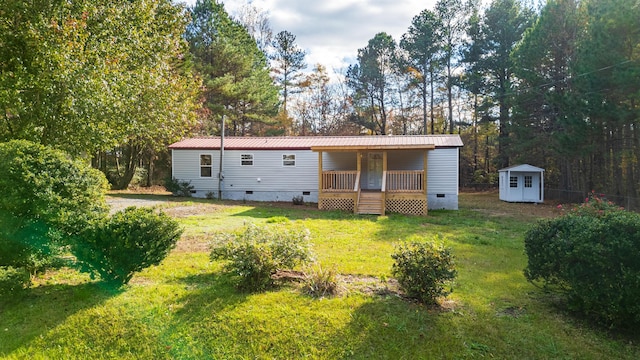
column 489, row 203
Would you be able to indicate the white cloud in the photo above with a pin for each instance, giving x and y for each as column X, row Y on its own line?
column 332, row 31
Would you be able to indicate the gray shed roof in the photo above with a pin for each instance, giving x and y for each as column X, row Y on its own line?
column 522, row 168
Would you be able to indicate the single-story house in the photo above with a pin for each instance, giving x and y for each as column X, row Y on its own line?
column 361, row 174
column 522, row 183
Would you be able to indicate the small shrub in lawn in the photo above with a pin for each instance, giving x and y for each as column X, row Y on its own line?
column 423, row 269
column 256, row 253
column 131, row 240
column 13, row 279
column 298, row 200
column 320, row 281
column 591, row 255
column 178, row 187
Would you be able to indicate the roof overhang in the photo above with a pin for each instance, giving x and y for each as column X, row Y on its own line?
column 342, row 148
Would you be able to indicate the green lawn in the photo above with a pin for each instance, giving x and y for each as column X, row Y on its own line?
column 186, row 308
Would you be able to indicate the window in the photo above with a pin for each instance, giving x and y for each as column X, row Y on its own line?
column 246, row 159
column 206, row 168
column 513, row 181
column 289, row 160
column 528, row 181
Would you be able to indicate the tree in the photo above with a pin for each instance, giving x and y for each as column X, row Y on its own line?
column 504, row 26
column 257, row 23
column 544, row 61
column 452, row 17
column 370, row 81
column 234, row 71
column 288, row 60
column 422, row 44
column 82, row 76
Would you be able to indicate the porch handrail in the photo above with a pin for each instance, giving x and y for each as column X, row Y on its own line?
column 339, row 181
column 356, row 185
column 405, row 180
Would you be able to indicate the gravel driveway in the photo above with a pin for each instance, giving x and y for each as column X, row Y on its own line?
column 119, row 203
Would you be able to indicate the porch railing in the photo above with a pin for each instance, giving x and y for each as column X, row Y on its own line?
column 405, row 181
column 339, row 181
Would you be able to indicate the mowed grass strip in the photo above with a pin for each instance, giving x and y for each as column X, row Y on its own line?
column 186, row 308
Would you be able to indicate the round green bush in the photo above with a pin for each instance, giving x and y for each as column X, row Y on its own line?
column 129, row 241
column 423, row 269
column 47, row 199
column 591, row 255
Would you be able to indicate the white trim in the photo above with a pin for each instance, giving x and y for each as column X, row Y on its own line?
column 210, row 166
column 253, row 158
column 283, row 160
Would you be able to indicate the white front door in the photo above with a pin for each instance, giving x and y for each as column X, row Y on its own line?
column 531, row 187
column 374, row 171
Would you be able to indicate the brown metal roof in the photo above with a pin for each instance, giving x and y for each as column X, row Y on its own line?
column 324, row 143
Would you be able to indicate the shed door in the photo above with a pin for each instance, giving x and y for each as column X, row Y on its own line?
column 531, row 187
column 374, row 171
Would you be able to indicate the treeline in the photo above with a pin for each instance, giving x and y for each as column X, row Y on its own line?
column 556, row 86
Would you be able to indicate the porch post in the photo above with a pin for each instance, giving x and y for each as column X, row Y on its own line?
column 384, row 173
column 319, row 180
column 424, row 182
column 356, row 196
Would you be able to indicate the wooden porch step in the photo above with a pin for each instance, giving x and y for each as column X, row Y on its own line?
column 370, row 203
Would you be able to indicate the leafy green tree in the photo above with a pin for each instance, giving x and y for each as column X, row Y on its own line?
column 86, row 76
column 288, row 61
column 422, row 44
column 234, row 71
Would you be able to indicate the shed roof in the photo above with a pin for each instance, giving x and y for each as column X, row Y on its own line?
column 522, row 168
column 323, row 143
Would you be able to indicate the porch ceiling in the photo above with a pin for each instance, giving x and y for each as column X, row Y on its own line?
column 343, row 148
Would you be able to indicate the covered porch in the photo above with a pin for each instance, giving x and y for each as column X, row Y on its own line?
column 373, row 179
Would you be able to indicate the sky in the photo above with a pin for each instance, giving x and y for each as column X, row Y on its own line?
column 332, row 31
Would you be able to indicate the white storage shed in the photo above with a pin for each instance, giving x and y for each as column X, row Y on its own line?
column 522, row 183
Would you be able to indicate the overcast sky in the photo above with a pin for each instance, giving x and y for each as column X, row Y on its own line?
column 332, row 31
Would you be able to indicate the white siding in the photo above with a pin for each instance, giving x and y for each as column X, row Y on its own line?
column 442, row 179
column 266, row 180
column 405, row 160
column 340, row 161
column 186, row 167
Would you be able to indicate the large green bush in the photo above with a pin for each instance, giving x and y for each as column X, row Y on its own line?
column 423, row 269
column 129, row 241
column 256, row 253
column 47, row 199
column 13, row 279
column 591, row 254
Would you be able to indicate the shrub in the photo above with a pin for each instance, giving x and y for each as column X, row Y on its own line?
column 129, row 241
column 256, row 253
column 319, row 281
column 178, row 187
column 423, row 269
column 591, row 254
column 13, row 279
column 298, row 200
column 47, row 199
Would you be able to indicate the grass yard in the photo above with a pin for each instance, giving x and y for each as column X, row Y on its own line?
column 186, row 308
